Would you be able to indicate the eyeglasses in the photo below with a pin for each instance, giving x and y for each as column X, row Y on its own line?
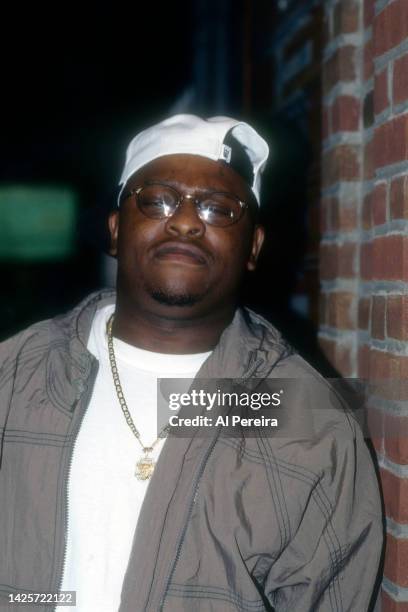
column 158, row 201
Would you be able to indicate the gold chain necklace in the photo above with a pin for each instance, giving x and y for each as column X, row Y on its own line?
column 145, row 465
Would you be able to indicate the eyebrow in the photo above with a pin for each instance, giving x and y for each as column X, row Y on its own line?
column 176, row 186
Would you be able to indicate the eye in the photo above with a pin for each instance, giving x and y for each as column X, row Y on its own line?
column 213, row 208
column 153, row 203
column 157, row 201
column 219, row 207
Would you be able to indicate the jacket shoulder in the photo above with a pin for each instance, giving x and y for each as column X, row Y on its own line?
column 60, row 329
column 307, row 396
column 35, row 335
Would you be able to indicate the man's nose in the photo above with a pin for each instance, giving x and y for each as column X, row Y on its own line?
column 185, row 221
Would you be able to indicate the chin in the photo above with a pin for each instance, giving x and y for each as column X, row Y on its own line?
column 180, row 294
column 168, row 298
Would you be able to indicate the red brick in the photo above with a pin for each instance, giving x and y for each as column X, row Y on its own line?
column 363, row 361
column 345, row 17
column 346, row 254
column 341, row 66
column 346, row 215
column 396, row 438
column 395, row 492
column 368, row 12
column 345, row 114
column 369, row 159
column 385, row 371
column 391, row 141
column 399, row 198
column 379, row 204
column 388, row 367
column 390, row 26
column 389, row 605
column 397, row 317
column 341, row 309
column 390, row 258
column 329, row 221
column 339, row 217
column 364, row 305
column 368, row 62
column 400, row 80
column 366, row 216
column 341, row 164
column 396, row 560
column 344, row 360
column 366, row 260
column 378, row 317
column 381, row 98
column 380, row 366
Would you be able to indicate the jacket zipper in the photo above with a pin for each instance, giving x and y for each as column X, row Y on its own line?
column 193, row 501
column 190, row 509
column 85, row 401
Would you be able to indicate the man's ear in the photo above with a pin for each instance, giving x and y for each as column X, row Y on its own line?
column 257, row 242
column 113, row 223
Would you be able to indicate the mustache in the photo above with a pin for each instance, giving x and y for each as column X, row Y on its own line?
column 186, row 247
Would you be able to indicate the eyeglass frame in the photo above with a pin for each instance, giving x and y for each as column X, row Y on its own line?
column 188, row 196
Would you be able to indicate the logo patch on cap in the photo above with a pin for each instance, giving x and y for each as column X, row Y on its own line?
column 226, row 153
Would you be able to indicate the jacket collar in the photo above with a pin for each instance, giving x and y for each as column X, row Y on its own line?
column 249, row 347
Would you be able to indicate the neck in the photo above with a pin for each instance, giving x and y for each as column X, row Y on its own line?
column 165, row 334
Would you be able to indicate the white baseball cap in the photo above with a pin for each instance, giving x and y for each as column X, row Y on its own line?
column 195, row 136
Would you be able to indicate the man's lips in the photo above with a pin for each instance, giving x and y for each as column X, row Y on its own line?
column 176, row 251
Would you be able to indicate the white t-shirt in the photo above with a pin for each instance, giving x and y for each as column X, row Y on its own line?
column 104, row 496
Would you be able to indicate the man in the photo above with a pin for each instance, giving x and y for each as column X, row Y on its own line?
column 93, row 500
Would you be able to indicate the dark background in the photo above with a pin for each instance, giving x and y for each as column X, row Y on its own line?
column 80, row 81
column 77, row 85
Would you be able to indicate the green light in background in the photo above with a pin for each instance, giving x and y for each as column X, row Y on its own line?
column 37, row 223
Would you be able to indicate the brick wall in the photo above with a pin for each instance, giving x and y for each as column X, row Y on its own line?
column 364, row 247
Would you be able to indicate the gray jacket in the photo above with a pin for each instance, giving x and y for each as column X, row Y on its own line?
column 251, row 524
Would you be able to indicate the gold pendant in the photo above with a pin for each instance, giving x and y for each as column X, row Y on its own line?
column 144, row 468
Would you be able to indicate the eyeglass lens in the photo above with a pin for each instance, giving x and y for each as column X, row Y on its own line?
column 158, row 202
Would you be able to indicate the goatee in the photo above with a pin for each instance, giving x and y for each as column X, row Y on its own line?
column 175, row 299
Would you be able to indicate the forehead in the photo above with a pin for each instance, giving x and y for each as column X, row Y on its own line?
column 192, row 172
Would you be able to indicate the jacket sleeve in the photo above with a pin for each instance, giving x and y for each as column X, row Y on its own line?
column 332, row 557
column 13, row 353
column 325, row 495
column 7, row 376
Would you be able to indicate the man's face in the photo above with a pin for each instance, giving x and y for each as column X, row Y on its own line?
column 180, row 266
